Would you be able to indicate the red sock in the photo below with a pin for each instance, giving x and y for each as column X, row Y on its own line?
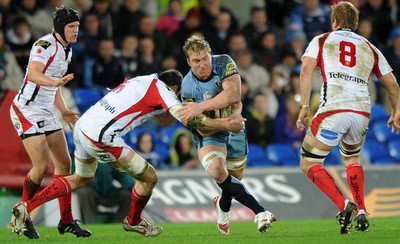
column 29, row 188
column 355, row 179
column 58, row 187
column 324, row 181
column 137, row 206
column 65, row 204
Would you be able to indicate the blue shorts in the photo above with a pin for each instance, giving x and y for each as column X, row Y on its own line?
column 236, row 143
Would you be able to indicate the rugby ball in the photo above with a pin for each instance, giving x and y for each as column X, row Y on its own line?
column 223, row 112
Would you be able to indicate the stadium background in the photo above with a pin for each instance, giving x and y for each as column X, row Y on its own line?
column 186, row 196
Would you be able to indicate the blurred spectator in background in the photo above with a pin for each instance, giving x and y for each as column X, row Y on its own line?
column 312, row 17
column 246, row 100
column 366, row 30
column 169, row 62
column 145, row 148
column 89, row 35
column 162, row 43
column 39, row 20
column 110, row 188
column 236, row 43
column 259, row 125
column 288, row 62
column 257, row 26
column 285, row 127
column 379, row 13
column 297, row 44
column 182, row 151
column 268, row 54
column 108, row 22
column 85, row 50
column 20, row 40
column 81, row 6
column 149, row 58
column 188, row 27
column 10, row 72
column 218, row 36
column 5, row 13
column 129, row 55
column 171, row 20
column 392, row 53
column 276, row 92
column 210, row 9
column 129, row 16
column 107, row 69
column 257, row 76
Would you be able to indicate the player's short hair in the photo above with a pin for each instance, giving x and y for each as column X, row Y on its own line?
column 346, row 14
column 171, row 77
column 195, row 44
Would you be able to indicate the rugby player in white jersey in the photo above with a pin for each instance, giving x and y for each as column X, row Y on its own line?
column 33, row 113
column 98, row 137
column 346, row 61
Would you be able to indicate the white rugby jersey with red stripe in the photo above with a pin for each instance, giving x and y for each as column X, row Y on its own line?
column 48, row 51
column 130, row 104
column 346, row 61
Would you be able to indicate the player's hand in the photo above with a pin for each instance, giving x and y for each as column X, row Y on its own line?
column 394, row 121
column 236, row 125
column 64, row 80
column 303, row 114
column 190, row 110
column 70, row 117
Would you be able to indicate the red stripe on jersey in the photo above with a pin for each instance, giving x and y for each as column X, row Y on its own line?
column 320, row 59
column 320, row 117
column 375, row 68
column 115, row 151
column 51, row 59
column 26, row 125
column 150, row 102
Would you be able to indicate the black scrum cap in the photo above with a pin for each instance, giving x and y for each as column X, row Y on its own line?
column 62, row 17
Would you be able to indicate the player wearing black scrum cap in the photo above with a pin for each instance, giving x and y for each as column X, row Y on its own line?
column 33, row 113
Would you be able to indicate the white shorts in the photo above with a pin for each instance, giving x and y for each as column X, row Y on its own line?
column 86, row 147
column 334, row 126
column 31, row 119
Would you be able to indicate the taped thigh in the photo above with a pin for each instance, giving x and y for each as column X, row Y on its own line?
column 209, row 157
column 136, row 167
column 313, row 154
column 86, row 170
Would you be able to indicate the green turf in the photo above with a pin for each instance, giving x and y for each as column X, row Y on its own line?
column 382, row 230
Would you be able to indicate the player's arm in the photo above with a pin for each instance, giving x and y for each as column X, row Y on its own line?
column 36, row 75
column 306, row 79
column 392, row 88
column 69, row 116
column 231, row 94
column 164, row 119
column 202, row 122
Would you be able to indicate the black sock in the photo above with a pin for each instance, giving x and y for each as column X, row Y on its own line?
column 235, row 189
column 225, row 202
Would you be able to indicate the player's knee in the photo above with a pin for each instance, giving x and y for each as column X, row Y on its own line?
column 84, row 169
column 136, row 167
column 312, row 154
column 81, row 181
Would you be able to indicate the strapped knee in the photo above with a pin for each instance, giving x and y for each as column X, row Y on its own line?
column 85, row 170
column 349, row 153
column 136, row 167
column 313, row 154
column 209, row 157
column 236, row 164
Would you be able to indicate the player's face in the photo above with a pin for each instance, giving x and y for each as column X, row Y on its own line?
column 71, row 32
column 201, row 64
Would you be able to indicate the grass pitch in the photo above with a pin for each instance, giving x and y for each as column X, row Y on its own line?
column 382, row 230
